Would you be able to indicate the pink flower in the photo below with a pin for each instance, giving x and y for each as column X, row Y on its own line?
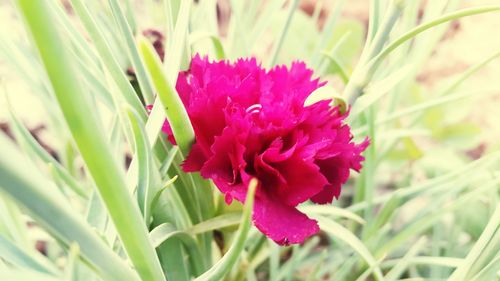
column 250, row 122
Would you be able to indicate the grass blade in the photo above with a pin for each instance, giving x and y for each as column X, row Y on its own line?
column 21, row 180
column 144, row 164
column 332, row 211
column 220, row 54
column 166, row 231
column 85, row 129
column 219, row 222
column 404, row 262
column 12, row 274
column 107, row 57
column 425, row 26
column 282, row 34
column 24, row 136
column 462, row 271
column 345, row 235
column 18, row 257
column 176, row 113
column 224, row 265
column 133, row 53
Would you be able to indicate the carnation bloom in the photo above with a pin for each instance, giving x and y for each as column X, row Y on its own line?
column 252, row 123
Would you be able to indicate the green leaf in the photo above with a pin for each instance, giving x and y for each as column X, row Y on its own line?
column 295, row 263
column 489, row 240
column 332, row 211
column 96, row 214
column 425, row 260
column 421, row 107
column 144, row 164
column 218, row 222
column 19, row 258
column 341, row 233
column 133, row 52
column 488, row 271
column 270, row 9
column 279, row 43
column 436, row 183
column 327, row 32
column 176, row 113
column 157, row 195
column 177, row 42
column 338, row 67
column 21, row 180
column 220, row 54
column 165, row 166
column 89, row 137
column 12, row 223
column 13, row 274
column 107, row 57
column 27, row 139
column 70, row 269
column 378, row 89
column 347, row 41
column 404, row 262
column 425, row 26
column 375, row 18
column 383, row 216
column 166, row 231
column 422, row 223
column 224, row 265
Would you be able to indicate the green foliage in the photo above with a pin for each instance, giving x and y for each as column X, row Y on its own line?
column 421, row 209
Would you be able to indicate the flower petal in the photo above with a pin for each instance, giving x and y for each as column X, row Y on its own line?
column 195, row 159
column 252, row 123
column 283, row 224
column 303, row 179
column 336, row 170
column 226, row 160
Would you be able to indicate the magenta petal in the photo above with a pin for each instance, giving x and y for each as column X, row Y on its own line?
column 226, row 160
column 283, row 224
column 195, row 159
column 270, row 177
column 358, row 158
column 250, row 122
column 276, row 152
column 326, row 195
column 303, row 179
column 336, row 170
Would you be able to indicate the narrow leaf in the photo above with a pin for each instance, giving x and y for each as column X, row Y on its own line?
column 89, row 137
column 345, row 235
column 224, row 265
column 174, row 109
column 21, row 180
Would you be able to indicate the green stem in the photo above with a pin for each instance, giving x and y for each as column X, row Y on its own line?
column 283, row 33
column 375, row 62
column 361, row 74
column 133, row 53
column 21, row 180
column 89, row 137
column 108, row 58
column 224, row 265
column 176, row 113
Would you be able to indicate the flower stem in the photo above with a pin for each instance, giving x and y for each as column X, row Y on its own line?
column 362, row 74
column 88, row 135
column 283, row 33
